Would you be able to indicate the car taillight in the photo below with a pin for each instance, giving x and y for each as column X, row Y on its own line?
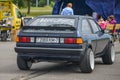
column 73, row 41
column 23, row 39
column 69, row 40
column 17, row 39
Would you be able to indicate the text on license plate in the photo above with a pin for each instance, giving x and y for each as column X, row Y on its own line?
column 47, row 40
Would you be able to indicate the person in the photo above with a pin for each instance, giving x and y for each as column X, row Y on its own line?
column 95, row 16
column 111, row 20
column 102, row 23
column 68, row 10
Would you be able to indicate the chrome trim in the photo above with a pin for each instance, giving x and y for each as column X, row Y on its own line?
column 36, row 48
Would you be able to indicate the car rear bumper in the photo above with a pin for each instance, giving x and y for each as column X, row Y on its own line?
column 50, row 53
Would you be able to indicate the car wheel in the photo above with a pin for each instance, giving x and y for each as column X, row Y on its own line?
column 88, row 63
column 4, row 36
column 23, row 64
column 119, row 37
column 109, row 56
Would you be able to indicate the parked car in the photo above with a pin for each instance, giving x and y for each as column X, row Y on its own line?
column 77, row 39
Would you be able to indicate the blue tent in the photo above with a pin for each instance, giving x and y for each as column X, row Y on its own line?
column 104, row 8
column 117, row 10
column 79, row 6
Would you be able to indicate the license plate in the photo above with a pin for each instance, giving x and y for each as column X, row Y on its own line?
column 47, row 40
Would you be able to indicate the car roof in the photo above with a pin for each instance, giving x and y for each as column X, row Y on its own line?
column 64, row 16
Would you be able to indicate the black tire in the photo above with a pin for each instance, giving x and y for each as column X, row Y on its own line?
column 23, row 64
column 88, row 63
column 119, row 37
column 4, row 36
column 109, row 56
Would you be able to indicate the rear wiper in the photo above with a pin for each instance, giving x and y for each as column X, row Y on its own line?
column 62, row 26
column 53, row 26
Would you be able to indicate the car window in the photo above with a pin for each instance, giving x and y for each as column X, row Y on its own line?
column 58, row 22
column 56, row 25
column 86, row 29
column 95, row 27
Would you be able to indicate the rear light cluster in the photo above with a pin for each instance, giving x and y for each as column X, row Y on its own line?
column 24, row 39
column 73, row 41
column 61, row 40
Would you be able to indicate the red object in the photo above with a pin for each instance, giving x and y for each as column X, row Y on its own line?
column 102, row 24
column 69, row 40
column 24, row 39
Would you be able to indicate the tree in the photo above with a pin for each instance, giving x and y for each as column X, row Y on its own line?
column 28, row 6
column 42, row 3
column 20, row 3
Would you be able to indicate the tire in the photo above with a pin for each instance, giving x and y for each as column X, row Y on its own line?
column 119, row 37
column 88, row 63
column 23, row 64
column 109, row 56
column 4, row 36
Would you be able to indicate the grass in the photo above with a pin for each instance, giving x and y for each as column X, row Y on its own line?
column 37, row 11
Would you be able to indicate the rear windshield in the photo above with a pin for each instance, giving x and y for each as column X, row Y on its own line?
column 51, row 25
column 53, row 21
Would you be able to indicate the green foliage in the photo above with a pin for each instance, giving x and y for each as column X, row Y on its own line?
column 20, row 3
column 14, row 1
column 33, row 3
column 37, row 11
column 52, row 3
column 42, row 3
column 34, row 14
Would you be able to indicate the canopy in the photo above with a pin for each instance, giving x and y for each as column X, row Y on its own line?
column 104, row 8
column 117, row 10
column 79, row 6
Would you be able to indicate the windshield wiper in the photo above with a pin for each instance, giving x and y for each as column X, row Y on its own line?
column 62, row 27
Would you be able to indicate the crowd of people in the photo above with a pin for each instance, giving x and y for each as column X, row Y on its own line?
column 110, row 21
column 103, row 23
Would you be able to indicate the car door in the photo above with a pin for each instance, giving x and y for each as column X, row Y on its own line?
column 101, row 36
column 88, row 35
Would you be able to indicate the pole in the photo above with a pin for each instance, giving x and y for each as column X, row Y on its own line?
column 36, row 3
column 48, row 1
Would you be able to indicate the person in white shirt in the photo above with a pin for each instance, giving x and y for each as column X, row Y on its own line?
column 68, row 10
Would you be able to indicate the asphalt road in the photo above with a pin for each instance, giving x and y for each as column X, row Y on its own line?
column 54, row 71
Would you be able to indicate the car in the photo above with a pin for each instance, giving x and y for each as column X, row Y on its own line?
column 77, row 39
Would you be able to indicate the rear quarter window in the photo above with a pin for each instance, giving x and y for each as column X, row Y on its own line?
column 86, row 29
column 95, row 26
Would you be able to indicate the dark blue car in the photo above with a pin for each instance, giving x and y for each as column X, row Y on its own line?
column 77, row 39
